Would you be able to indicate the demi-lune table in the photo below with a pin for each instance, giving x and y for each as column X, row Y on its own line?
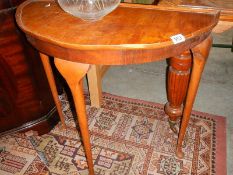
column 131, row 34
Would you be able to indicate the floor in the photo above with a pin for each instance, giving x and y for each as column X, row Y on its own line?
column 215, row 95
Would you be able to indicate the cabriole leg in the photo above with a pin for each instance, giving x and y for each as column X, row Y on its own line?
column 74, row 73
column 52, row 84
column 200, row 55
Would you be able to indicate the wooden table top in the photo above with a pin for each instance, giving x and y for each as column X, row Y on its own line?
column 147, row 29
column 226, row 6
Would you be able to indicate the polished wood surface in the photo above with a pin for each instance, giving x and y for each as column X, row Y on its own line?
column 52, row 84
column 4, row 4
column 178, row 71
column 95, row 76
column 226, row 6
column 74, row 74
column 200, row 54
column 25, row 100
column 144, row 36
column 95, row 85
column 135, row 39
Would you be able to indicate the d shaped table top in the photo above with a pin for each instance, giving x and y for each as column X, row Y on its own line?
column 130, row 34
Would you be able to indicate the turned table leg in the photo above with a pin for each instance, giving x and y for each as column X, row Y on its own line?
column 52, row 84
column 200, row 54
column 177, row 85
column 73, row 73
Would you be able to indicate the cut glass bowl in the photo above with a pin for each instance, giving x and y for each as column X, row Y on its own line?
column 89, row 10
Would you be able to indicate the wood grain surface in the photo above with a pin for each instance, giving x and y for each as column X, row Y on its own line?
column 226, row 6
column 144, row 28
column 25, row 99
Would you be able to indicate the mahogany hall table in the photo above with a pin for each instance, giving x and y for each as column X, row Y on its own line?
column 131, row 34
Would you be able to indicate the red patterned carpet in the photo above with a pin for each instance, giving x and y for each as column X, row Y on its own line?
column 128, row 137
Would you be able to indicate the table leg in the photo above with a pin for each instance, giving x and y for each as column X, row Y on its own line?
column 95, row 85
column 95, row 76
column 52, row 84
column 177, row 85
column 74, row 73
column 200, row 54
column 232, row 45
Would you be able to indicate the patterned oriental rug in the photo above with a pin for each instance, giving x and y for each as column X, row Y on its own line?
column 128, row 137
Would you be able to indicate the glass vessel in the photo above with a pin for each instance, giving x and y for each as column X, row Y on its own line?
column 89, row 10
